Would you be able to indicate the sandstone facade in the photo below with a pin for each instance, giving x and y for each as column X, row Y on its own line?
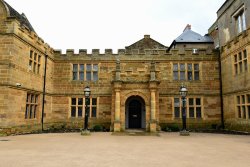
column 231, row 33
column 136, row 88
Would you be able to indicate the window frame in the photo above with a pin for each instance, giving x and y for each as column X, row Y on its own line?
column 242, row 107
column 34, row 62
column 176, row 72
column 77, row 106
column 85, row 72
column 91, row 106
column 32, row 104
column 240, row 20
column 240, row 62
column 188, row 106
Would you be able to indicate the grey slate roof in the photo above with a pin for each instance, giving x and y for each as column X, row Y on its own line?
column 189, row 36
column 20, row 17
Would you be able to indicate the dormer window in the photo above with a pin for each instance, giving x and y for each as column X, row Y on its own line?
column 240, row 20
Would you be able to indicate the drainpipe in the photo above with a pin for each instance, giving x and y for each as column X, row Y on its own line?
column 44, row 89
column 220, row 75
column 221, row 95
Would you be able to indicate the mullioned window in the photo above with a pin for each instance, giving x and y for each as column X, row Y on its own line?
column 85, row 72
column 186, row 71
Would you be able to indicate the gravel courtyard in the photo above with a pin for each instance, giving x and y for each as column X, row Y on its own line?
column 106, row 150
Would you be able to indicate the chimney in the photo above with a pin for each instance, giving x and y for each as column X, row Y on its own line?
column 146, row 36
column 188, row 27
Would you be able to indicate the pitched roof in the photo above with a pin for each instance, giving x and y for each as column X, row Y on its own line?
column 189, row 36
column 20, row 17
column 146, row 43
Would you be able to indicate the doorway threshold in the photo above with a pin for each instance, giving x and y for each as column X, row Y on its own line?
column 135, row 132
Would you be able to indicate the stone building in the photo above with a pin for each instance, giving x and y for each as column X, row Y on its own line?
column 135, row 88
column 231, row 36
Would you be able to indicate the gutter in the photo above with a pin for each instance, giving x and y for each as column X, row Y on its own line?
column 221, row 92
column 44, row 90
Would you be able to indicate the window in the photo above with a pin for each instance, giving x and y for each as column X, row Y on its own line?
column 34, row 62
column 81, row 72
column 240, row 62
column 190, row 72
column 95, row 72
column 88, row 72
column 31, row 60
column 193, row 108
column 240, row 20
column 85, row 72
column 196, row 72
column 183, row 71
column 78, row 107
column 31, row 106
column 175, row 72
column 243, row 106
column 177, row 108
column 93, row 107
column 75, row 71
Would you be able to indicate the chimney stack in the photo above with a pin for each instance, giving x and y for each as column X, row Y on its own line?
column 188, row 27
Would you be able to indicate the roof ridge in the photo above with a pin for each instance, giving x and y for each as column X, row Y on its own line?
column 145, row 42
column 189, row 35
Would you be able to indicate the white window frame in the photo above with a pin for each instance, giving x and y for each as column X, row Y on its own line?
column 240, row 20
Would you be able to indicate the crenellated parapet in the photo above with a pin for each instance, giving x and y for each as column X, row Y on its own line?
column 136, row 53
column 33, row 39
column 13, row 26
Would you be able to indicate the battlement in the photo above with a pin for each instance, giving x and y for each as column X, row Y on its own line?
column 36, row 39
column 108, row 52
column 30, row 36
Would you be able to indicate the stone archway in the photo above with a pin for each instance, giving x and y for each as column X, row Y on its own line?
column 149, row 102
column 135, row 113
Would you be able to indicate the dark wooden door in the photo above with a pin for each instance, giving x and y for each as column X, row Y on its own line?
column 134, row 114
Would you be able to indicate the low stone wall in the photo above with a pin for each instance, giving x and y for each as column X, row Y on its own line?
column 238, row 125
column 52, row 127
column 193, row 125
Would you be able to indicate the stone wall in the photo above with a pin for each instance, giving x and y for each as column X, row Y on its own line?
column 235, row 84
column 17, row 79
column 226, row 19
column 135, row 75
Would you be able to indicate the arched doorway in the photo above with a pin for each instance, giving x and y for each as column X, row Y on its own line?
column 135, row 113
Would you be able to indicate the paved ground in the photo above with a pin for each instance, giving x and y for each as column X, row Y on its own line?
column 105, row 150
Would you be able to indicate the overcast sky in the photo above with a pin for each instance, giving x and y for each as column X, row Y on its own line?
column 100, row 24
